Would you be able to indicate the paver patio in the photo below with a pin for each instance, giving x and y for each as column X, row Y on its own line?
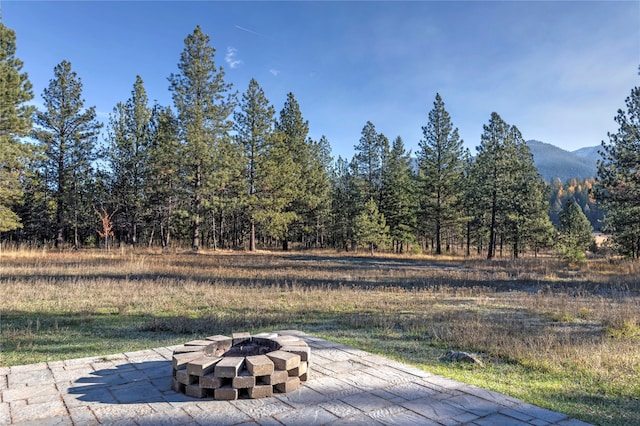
column 346, row 386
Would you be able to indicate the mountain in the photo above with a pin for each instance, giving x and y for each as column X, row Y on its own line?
column 553, row 162
column 590, row 152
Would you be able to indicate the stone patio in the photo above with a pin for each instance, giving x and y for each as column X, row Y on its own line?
column 346, row 386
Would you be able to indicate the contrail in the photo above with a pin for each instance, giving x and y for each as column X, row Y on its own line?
column 249, row 31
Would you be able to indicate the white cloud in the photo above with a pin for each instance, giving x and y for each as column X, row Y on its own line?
column 231, row 58
column 274, row 71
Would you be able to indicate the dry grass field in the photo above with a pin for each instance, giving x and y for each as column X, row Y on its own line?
column 563, row 338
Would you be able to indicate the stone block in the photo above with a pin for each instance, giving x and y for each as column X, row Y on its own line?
column 278, row 376
column 287, row 340
column 195, row 391
column 225, row 393
column 180, row 361
column 177, row 386
column 202, row 366
column 303, row 351
column 261, row 391
column 305, row 377
column 185, row 349
column 198, row 343
column 266, row 335
column 290, row 385
column 299, row 370
column 218, row 345
column 244, row 380
column 185, row 378
column 259, row 365
column 284, row 360
column 210, row 381
column 298, row 342
column 241, row 337
column 228, row 367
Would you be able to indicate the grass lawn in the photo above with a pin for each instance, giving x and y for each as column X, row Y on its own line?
column 565, row 339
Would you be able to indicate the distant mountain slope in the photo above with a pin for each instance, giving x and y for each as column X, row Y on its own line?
column 553, row 162
column 590, row 152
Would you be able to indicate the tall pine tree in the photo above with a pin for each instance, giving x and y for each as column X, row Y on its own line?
column 128, row 144
column 370, row 152
column 618, row 185
column 293, row 130
column 15, row 122
column 68, row 133
column 204, row 103
column 163, row 188
column 441, row 172
column 254, row 125
column 399, row 204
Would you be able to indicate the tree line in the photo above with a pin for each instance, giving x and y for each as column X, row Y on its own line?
column 222, row 170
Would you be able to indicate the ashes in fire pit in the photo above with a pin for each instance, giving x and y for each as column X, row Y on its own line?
column 241, row 366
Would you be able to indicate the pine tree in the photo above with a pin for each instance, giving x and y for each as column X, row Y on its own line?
column 15, row 122
column 344, row 203
column 618, row 185
column 294, row 129
column 507, row 193
column 277, row 190
column 441, row 171
column 398, row 194
column 67, row 133
column 527, row 217
column 491, row 174
column 164, row 187
column 370, row 151
column 254, row 125
column 204, row 104
column 129, row 139
column 317, row 195
column 576, row 233
column 371, row 228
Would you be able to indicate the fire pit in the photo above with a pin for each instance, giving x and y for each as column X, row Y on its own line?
column 241, row 366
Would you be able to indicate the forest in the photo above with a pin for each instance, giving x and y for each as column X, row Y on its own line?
column 223, row 170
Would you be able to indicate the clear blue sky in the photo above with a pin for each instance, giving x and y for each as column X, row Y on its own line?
column 557, row 70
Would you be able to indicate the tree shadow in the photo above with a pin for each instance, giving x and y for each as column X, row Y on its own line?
column 130, row 383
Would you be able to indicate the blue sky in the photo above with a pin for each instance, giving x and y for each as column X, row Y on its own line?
column 558, row 70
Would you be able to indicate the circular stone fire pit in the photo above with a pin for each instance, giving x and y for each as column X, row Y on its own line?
column 241, row 366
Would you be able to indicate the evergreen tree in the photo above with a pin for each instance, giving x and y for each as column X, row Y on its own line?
column 15, row 122
column 277, row 191
column 527, row 215
column 204, row 104
column 344, row 202
column 576, row 233
column 129, row 139
column 369, row 159
column 254, row 125
column 492, row 174
column 67, row 133
column 370, row 227
column 164, row 186
column 294, row 129
column 618, row 186
column 398, row 195
column 507, row 194
column 317, row 196
column 441, row 172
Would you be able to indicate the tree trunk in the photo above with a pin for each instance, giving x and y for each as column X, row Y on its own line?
column 492, row 229
column 197, row 201
column 252, row 237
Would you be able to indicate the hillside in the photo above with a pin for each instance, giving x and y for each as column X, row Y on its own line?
column 553, row 162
